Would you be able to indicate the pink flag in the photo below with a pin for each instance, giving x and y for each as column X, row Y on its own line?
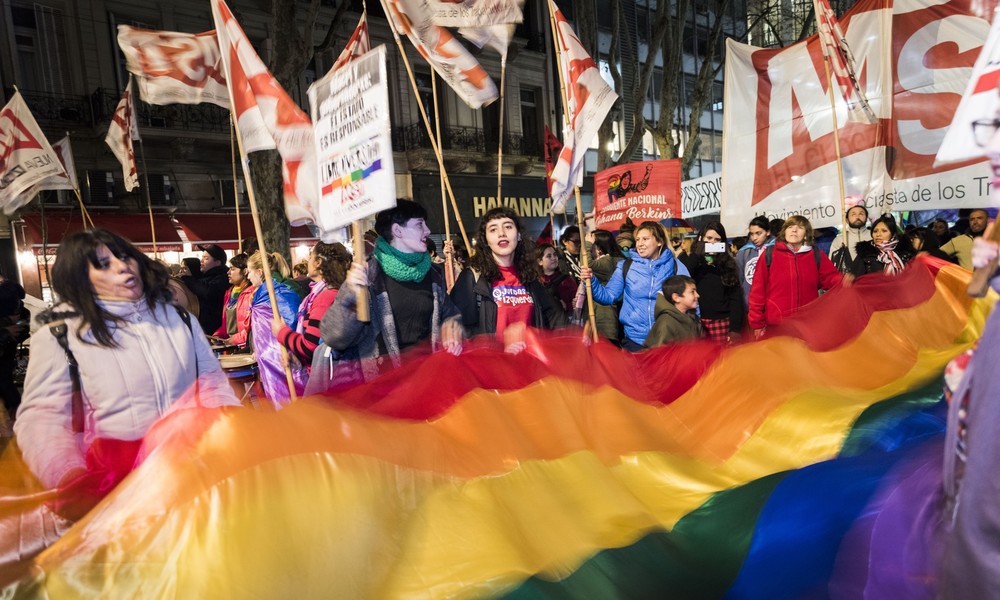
column 842, row 70
column 26, row 157
column 268, row 119
column 175, row 68
column 120, row 134
column 588, row 100
column 358, row 45
column 442, row 50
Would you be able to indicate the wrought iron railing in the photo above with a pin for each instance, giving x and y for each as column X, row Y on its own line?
column 467, row 139
column 189, row 117
column 58, row 110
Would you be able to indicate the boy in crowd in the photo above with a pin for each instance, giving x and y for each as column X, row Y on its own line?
column 675, row 313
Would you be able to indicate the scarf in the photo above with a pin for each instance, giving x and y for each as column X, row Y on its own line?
column 401, row 266
column 888, row 256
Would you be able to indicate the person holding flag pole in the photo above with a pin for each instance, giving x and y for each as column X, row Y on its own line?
column 571, row 67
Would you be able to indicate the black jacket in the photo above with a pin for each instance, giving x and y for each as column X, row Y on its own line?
column 210, row 287
column 866, row 260
column 474, row 297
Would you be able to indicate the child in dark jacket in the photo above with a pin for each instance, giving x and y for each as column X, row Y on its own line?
column 675, row 316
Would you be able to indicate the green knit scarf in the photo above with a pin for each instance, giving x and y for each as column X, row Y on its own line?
column 401, row 266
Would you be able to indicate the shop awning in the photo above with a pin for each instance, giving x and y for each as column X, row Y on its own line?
column 134, row 227
column 221, row 229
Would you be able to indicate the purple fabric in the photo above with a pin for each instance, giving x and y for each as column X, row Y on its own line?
column 895, row 547
column 268, row 353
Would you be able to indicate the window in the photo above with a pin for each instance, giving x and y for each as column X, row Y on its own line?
column 120, row 67
column 40, row 44
column 530, row 125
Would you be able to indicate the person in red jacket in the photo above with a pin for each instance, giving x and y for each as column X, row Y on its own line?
column 790, row 276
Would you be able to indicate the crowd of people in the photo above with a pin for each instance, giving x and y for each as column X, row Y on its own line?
column 129, row 339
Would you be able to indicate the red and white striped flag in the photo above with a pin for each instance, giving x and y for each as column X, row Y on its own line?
column 588, row 100
column 442, row 50
column 26, row 158
column 358, row 45
column 173, row 67
column 122, row 131
column 268, row 119
column 842, row 71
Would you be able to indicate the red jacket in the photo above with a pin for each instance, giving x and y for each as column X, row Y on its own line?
column 792, row 281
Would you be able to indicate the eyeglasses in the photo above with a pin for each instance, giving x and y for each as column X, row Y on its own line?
column 574, row 240
column 983, row 130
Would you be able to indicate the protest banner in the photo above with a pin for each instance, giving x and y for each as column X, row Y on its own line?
column 701, row 196
column 643, row 191
column 350, row 113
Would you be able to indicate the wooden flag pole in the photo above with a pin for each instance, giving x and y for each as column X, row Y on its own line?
column 79, row 198
column 149, row 201
column 836, row 134
column 236, row 189
column 268, row 280
column 362, row 309
column 449, row 259
column 503, row 77
column 584, row 259
column 427, row 126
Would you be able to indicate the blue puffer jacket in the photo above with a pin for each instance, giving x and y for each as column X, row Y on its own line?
column 645, row 280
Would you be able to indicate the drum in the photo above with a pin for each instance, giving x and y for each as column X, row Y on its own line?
column 241, row 369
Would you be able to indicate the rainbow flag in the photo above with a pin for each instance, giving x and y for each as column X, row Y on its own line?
column 804, row 465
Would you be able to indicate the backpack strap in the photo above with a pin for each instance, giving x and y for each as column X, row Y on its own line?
column 59, row 332
column 625, row 268
column 816, row 255
column 769, row 256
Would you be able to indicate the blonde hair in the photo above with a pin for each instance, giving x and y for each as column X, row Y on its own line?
column 256, row 262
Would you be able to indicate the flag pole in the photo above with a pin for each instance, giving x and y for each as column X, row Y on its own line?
column 145, row 171
column 503, row 77
column 79, row 198
column 584, row 260
column 427, row 125
column 836, row 128
column 449, row 273
column 236, row 189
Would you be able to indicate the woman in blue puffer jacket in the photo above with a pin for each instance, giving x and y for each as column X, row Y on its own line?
column 640, row 278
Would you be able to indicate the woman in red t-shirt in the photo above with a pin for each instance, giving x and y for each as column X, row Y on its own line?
column 501, row 287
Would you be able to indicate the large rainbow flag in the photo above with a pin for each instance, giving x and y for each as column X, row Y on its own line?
column 806, row 465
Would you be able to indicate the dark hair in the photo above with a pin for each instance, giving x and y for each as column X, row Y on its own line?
column 541, row 248
column 657, row 231
column 572, row 229
column 676, row 284
column 775, row 225
column 334, row 262
column 239, row 261
column 193, row 265
column 810, row 237
column 71, row 279
column 605, row 242
column 760, row 221
column 398, row 215
column 250, row 245
column 300, row 268
column 929, row 240
column 431, row 247
column 627, row 226
column 723, row 260
column 890, row 222
column 482, row 261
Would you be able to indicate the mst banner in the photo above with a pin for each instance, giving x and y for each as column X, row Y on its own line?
column 642, row 191
column 914, row 58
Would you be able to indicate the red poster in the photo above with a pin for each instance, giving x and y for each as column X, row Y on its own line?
column 642, row 191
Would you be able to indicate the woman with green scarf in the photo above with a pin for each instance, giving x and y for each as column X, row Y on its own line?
column 407, row 295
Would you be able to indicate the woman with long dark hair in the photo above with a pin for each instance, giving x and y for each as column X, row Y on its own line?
column 887, row 252
column 501, row 285
column 135, row 356
column 718, row 283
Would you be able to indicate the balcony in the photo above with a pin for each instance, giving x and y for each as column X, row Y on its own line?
column 465, row 139
column 206, row 118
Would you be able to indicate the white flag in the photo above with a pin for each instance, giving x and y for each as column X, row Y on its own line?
column 61, row 181
column 120, row 135
column 26, row 158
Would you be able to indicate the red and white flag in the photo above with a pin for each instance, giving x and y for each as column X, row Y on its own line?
column 268, row 119
column 358, row 45
column 173, row 67
column 122, row 131
column 588, row 100
column 842, row 65
column 442, row 50
column 26, row 157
